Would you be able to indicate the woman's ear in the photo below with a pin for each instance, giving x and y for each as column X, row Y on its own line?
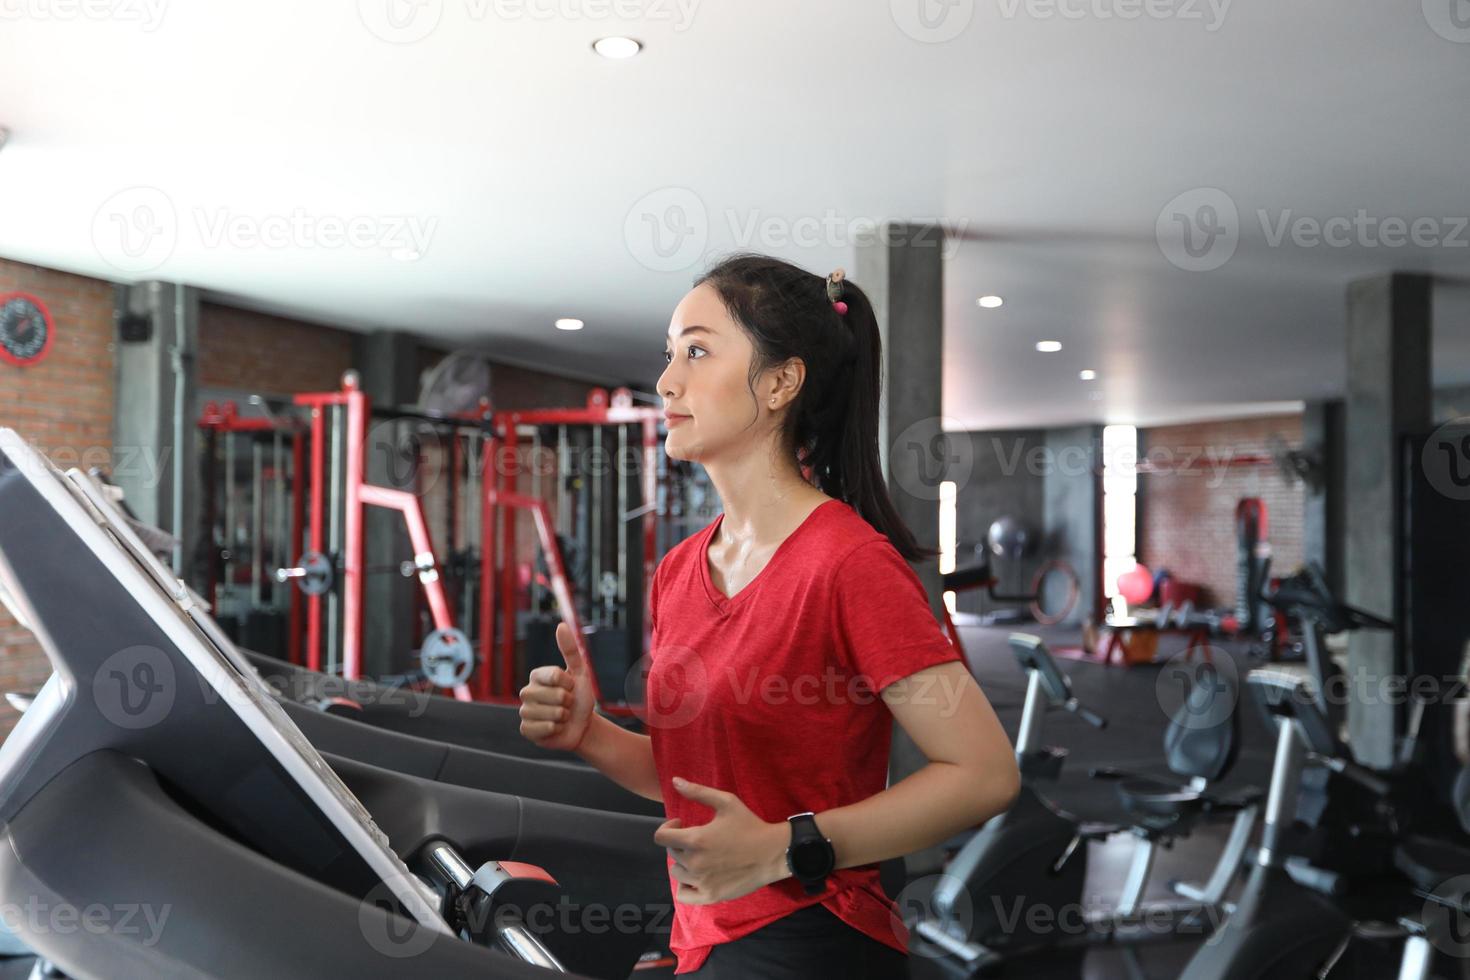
column 785, row 381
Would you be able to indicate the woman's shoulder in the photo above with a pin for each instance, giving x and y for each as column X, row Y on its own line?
column 847, row 534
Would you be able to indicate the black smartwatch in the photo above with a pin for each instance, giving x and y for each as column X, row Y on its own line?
column 809, row 856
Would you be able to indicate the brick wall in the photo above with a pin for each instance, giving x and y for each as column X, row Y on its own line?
column 63, row 406
column 269, row 355
column 1187, row 517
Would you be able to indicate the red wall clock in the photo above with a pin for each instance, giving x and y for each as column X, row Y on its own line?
column 26, row 331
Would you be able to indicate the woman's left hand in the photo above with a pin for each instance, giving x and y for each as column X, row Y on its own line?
column 732, row 855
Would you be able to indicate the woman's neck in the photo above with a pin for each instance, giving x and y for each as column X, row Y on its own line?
column 764, row 499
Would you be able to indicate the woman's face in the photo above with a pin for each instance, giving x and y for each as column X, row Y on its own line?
column 708, row 382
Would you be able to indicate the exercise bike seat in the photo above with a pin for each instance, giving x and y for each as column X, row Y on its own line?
column 1160, row 804
column 1153, row 801
column 1429, row 862
column 1160, row 798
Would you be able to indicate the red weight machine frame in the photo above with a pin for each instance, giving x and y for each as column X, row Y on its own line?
column 494, row 680
column 498, row 483
column 357, row 494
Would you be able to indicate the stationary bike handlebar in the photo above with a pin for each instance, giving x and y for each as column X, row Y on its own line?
column 1091, row 717
column 1306, row 594
column 1358, row 774
column 1034, row 657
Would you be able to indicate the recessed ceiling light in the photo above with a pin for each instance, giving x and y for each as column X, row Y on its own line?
column 990, row 302
column 1087, row 375
column 616, row 47
column 568, row 323
column 1048, row 346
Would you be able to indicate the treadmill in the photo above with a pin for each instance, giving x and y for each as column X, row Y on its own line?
column 472, row 724
column 163, row 816
column 538, row 779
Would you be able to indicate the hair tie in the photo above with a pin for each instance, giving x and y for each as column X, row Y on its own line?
column 835, row 290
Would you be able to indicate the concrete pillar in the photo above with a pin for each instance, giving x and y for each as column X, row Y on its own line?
column 1073, row 509
column 1388, row 395
column 903, row 275
column 155, row 439
column 387, row 366
column 1322, row 526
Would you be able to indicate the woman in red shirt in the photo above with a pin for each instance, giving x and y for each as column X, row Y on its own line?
column 787, row 637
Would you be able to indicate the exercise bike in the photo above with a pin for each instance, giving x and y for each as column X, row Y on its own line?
column 1038, row 850
column 1292, row 919
column 1437, row 870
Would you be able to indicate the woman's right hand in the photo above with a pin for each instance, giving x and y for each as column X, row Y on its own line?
column 556, row 704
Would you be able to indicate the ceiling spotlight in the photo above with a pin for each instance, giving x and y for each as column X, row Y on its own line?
column 1087, row 375
column 1048, row 346
column 568, row 323
column 990, row 302
column 616, row 47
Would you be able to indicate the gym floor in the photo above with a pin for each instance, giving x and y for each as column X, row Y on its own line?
column 1128, row 698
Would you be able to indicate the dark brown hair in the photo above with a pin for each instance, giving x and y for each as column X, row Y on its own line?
column 832, row 425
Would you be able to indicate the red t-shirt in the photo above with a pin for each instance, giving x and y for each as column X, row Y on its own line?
column 771, row 695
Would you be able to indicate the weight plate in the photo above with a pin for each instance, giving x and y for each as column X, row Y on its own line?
column 318, row 577
column 446, row 658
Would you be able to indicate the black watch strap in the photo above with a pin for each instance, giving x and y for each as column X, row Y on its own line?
column 810, row 856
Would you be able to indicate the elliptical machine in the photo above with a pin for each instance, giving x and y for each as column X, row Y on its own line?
column 1004, row 893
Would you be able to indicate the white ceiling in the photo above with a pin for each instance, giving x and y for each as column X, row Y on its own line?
column 1051, row 134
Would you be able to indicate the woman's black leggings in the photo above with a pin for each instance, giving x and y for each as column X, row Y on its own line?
column 809, row 943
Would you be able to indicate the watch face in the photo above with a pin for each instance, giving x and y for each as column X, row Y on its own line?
column 811, row 859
